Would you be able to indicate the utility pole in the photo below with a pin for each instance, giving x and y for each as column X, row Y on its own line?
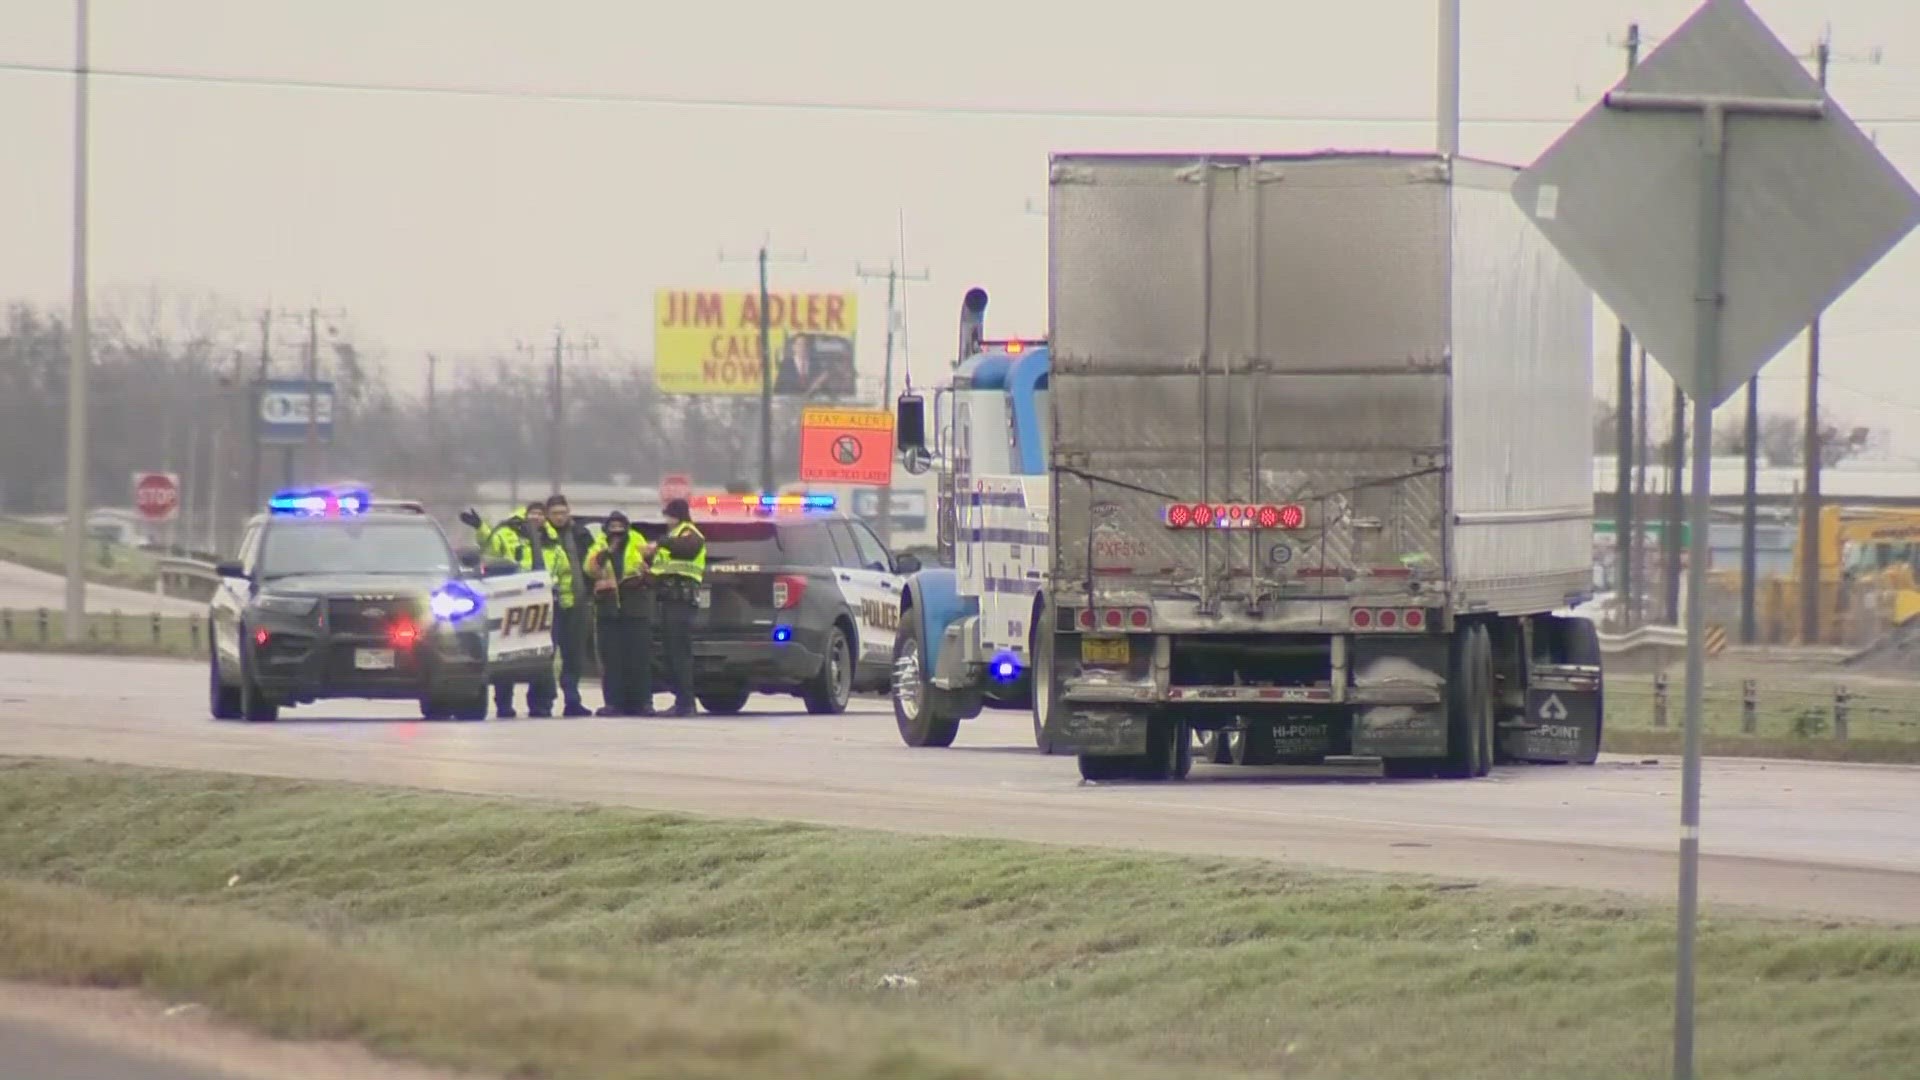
column 1626, row 529
column 1812, row 452
column 1638, row 550
column 1448, row 92
column 763, row 257
column 79, row 349
column 1676, row 503
column 894, row 278
column 557, row 410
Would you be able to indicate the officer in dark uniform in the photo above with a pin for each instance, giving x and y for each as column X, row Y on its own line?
column 679, row 564
column 623, row 605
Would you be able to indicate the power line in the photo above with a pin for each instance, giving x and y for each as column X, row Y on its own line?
column 668, row 101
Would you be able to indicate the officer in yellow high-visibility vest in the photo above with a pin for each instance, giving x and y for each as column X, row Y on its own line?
column 526, row 540
column 679, row 563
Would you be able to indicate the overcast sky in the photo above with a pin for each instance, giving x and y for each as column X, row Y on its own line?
column 461, row 224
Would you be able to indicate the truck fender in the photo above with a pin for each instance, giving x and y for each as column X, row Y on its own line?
column 933, row 597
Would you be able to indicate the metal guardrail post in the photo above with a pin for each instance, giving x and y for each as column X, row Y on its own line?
column 115, row 626
column 1842, row 710
column 44, row 629
column 1660, row 699
column 6, row 623
column 1749, row 706
column 156, row 628
column 193, row 629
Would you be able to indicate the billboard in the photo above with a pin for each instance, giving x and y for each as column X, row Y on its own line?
column 707, row 341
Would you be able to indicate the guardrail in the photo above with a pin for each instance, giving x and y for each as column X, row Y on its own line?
column 38, row 628
column 1802, row 711
column 194, row 579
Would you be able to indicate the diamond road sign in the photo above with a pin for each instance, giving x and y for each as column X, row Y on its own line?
column 1811, row 204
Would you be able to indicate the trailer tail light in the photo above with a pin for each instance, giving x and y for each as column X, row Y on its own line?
column 1108, row 620
column 787, row 591
column 1286, row 516
column 1389, row 619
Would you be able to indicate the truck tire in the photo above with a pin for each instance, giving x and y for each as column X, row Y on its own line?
column 1169, row 753
column 1253, row 744
column 1469, row 712
column 1102, row 768
column 916, row 701
column 1043, row 684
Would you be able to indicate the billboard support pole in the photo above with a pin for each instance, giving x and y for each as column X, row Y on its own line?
column 763, row 257
column 894, row 278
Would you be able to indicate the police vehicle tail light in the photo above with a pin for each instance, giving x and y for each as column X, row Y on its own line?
column 1286, row 516
column 782, row 635
column 402, row 633
column 261, row 637
column 787, row 591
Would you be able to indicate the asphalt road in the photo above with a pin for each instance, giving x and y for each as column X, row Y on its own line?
column 30, row 1050
column 23, row 588
column 1842, row 840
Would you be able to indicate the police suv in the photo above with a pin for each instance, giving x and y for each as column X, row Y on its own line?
column 799, row 598
column 337, row 595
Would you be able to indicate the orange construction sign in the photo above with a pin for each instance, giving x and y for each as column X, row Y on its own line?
column 846, row 446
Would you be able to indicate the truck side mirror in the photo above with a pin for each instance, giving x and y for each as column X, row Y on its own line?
column 910, row 423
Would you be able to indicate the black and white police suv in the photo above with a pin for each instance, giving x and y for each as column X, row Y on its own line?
column 800, row 598
column 337, row 595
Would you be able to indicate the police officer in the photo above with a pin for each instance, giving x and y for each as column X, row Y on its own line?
column 679, row 563
column 623, row 605
column 566, row 565
column 526, row 540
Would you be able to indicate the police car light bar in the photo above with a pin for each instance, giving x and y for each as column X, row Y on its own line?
column 764, row 503
column 319, row 502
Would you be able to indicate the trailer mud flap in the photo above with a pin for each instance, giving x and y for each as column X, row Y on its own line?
column 1097, row 730
column 1562, row 725
column 1399, row 731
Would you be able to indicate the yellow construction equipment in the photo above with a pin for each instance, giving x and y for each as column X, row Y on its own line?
column 1869, row 579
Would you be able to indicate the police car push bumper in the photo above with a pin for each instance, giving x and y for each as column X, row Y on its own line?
column 355, row 647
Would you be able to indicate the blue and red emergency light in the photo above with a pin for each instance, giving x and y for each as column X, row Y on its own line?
column 763, row 504
column 319, row 502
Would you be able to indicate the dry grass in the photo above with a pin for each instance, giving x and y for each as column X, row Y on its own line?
column 531, row 939
column 43, row 547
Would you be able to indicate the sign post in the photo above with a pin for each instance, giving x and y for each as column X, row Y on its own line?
column 1791, row 204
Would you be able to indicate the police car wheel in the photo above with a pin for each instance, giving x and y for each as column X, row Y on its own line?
column 724, row 700
column 827, row 692
column 223, row 700
column 255, row 705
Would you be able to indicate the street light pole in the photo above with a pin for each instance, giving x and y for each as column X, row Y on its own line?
column 79, row 348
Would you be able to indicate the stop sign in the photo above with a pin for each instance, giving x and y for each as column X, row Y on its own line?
column 676, row 486
column 156, row 495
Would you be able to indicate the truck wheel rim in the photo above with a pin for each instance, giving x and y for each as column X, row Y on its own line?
column 906, row 684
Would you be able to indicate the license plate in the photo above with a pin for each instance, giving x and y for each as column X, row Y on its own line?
column 703, row 598
column 373, row 659
column 1105, row 650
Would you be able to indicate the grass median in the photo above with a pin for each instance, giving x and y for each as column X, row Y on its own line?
column 534, row 939
column 106, row 633
column 1800, row 714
